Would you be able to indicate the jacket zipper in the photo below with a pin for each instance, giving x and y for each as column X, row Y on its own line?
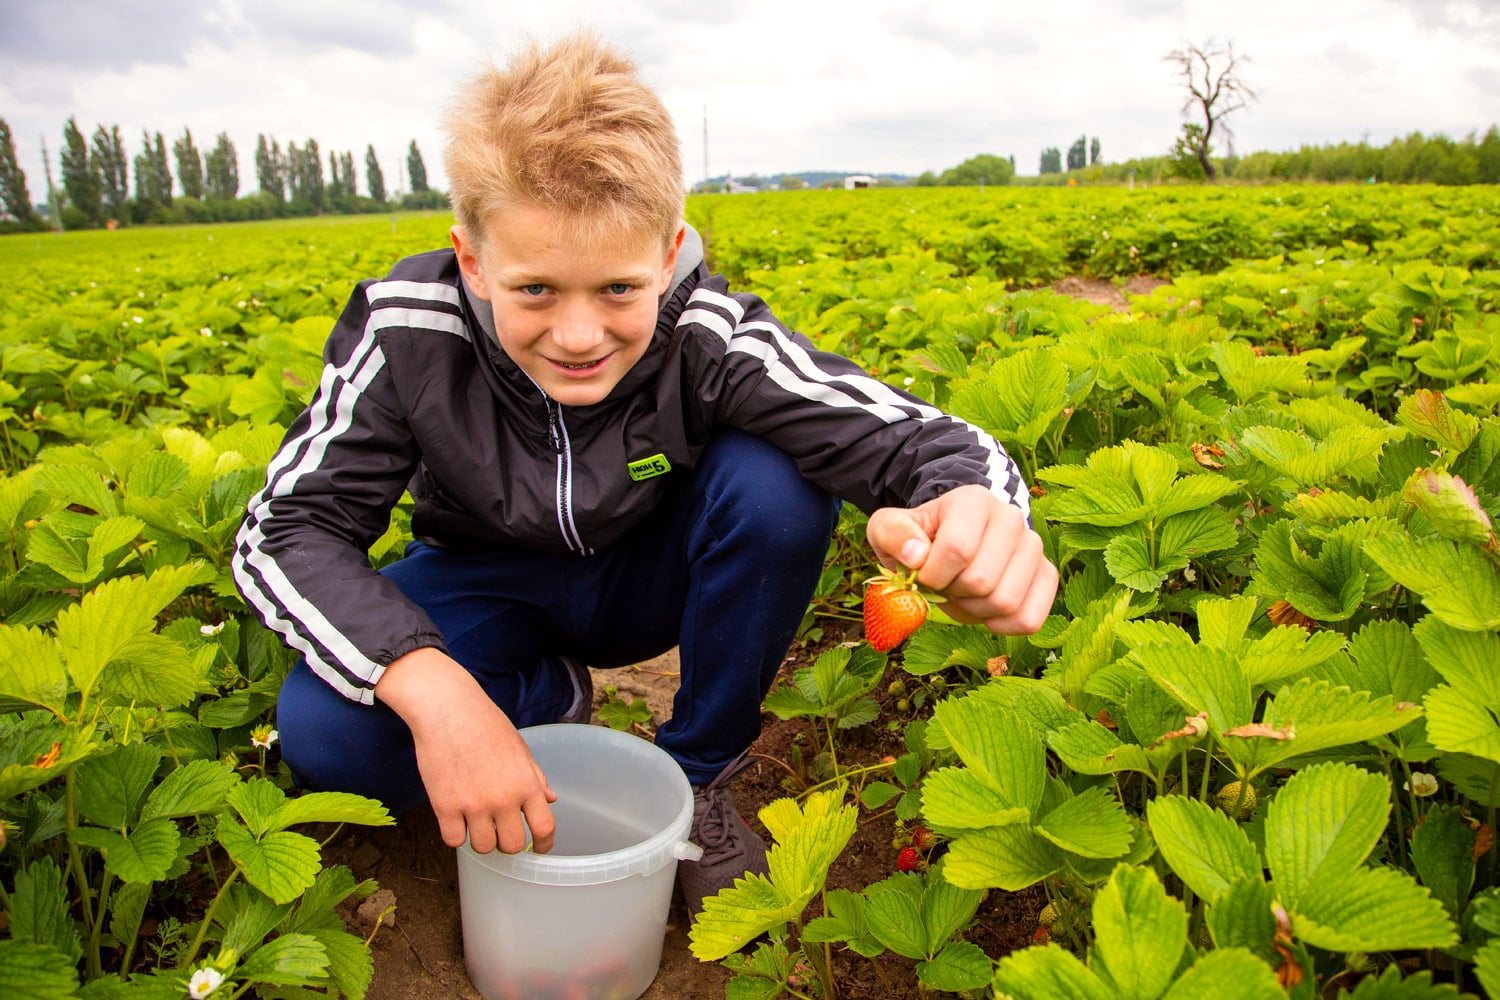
column 557, row 430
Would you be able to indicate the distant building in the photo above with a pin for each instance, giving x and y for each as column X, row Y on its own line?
column 732, row 186
column 854, row 181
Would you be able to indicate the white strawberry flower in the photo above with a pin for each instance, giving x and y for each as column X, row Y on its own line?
column 1422, row 784
column 204, row 982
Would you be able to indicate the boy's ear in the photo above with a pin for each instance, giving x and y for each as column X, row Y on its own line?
column 670, row 265
column 468, row 262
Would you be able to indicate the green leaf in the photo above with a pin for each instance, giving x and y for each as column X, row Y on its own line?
column 38, row 748
column 93, row 631
column 1328, row 586
column 1227, row 974
column 954, row 798
column 39, row 909
column 257, row 801
column 1243, row 917
column 1321, row 825
column 893, row 911
column 1456, row 724
column 1047, row 973
column 34, row 673
column 1318, row 716
column 350, row 965
column 146, row 854
column 1130, row 563
column 1092, row 824
column 289, row 960
column 1000, row 857
column 1202, row 679
column 997, row 745
column 1371, row 909
column 946, row 909
column 37, row 972
column 1193, row 492
column 1089, row 748
column 1194, row 533
column 1140, row 933
column 1427, row 414
column 1204, row 847
column 1390, row 986
column 1487, row 967
column 1017, row 399
column 154, row 670
column 1442, row 851
column 253, row 922
column 127, row 908
column 196, row 788
column 807, row 840
column 109, row 788
column 83, row 560
column 329, row 807
column 844, row 921
column 282, row 865
column 961, row 965
column 1390, row 662
column 1287, row 650
column 1458, row 583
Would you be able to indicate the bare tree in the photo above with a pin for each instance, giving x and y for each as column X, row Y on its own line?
column 1211, row 74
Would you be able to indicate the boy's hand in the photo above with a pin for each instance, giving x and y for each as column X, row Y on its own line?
column 479, row 773
column 974, row 550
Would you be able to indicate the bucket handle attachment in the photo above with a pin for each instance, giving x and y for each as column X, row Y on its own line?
column 686, row 850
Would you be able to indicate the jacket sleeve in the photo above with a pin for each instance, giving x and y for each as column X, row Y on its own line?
column 301, row 559
column 857, row 437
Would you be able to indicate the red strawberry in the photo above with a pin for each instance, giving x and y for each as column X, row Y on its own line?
column 894, row 609
column 908, row 860
column 922, row 838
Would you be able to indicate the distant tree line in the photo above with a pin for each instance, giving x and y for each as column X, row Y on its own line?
column 1414, row 159
column 96, row 175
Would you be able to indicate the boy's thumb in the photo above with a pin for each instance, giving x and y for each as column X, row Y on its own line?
column 897, row 534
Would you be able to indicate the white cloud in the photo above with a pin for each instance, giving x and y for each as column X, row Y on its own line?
column 877, row 85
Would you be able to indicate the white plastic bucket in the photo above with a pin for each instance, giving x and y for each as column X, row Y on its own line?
column 588, row 918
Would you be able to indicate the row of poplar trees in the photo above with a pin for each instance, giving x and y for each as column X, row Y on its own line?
column 96, row 177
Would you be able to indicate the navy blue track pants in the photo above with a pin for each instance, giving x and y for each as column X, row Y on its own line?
column 723, row 570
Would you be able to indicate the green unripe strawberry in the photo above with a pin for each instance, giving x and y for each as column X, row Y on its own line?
column 1237, row 799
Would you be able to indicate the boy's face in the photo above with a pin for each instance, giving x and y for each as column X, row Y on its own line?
column 575, row 317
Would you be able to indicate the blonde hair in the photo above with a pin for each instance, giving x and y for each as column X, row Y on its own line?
column 570, row 128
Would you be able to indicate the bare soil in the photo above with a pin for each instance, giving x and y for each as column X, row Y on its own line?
column 1104, row 292
column 419, row 950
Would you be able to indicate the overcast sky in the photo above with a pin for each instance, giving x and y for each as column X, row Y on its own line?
column 875, row 86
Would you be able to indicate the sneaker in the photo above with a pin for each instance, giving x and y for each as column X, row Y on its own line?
column 581, row 708
column 731, row 850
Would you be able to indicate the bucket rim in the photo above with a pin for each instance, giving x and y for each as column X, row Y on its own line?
column 641, row 858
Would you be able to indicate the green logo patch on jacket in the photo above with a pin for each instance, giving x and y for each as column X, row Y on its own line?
column 645, row 468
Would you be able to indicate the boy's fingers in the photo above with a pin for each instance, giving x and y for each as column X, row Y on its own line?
column 897, row 538
column 543, row 827
column 453, row 829
column 1037, row 597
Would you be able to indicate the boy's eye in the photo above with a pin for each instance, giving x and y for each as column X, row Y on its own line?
column 533, row 289
column 619, row 288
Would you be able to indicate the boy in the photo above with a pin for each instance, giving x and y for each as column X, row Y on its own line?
column 610, row 455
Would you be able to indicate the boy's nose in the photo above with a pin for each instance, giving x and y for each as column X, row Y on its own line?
column 578, row 331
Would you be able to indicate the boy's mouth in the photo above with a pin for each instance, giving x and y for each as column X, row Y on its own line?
column 580, row 366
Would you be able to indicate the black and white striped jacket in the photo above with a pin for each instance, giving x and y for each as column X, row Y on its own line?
column 416, row 393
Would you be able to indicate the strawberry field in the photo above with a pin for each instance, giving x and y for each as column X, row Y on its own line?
column 1254, row 750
